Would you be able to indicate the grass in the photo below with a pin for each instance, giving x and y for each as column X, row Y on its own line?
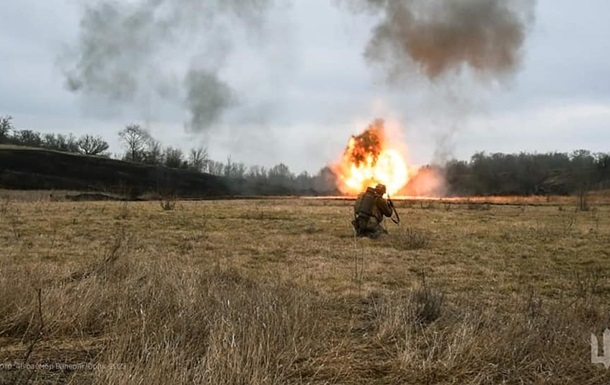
column 280, row 292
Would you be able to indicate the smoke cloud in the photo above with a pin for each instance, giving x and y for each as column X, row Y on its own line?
column 437, row 37
column 207, row 97
column 130, row 52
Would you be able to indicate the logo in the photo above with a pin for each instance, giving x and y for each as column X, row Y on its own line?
column 595, row 357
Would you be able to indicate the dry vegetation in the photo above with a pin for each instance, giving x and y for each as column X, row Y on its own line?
column 279, row 292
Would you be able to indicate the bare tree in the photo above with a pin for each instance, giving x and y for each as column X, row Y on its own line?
column 216, row 168
column 92, row 145
column 583, row 165
column 303, row 181
column 154, row 152
column 54, row 142
column 257, row 173
column 174, row 158
column 60, row 142
column 135, row 140
column 5, row 128
column 280, row 175
column 239, row 170
column 229, row 168
column 198, row 159
column 27, row 138
column 234, row 170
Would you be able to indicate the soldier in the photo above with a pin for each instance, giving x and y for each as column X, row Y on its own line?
column 369, row 210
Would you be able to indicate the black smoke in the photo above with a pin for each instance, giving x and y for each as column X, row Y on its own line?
column 436, row 37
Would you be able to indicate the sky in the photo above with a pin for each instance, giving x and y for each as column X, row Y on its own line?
column 302, row 87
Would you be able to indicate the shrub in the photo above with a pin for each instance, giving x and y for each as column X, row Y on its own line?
column 409, row 238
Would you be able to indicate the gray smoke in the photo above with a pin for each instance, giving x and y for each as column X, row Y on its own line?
column 126, row 51
column 437, row 37
column 207, row 97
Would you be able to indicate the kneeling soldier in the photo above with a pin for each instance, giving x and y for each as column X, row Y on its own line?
column 369, row 210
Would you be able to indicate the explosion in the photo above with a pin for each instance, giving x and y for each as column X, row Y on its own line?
column 368, row 160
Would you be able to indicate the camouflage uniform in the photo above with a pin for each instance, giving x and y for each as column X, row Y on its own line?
column 369, row 210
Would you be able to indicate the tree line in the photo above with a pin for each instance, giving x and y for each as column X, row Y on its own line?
column 141, row 147
column 86, row 144
column 484, row 174
column 528, row 174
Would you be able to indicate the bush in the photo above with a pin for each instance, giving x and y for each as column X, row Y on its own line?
column 409, row 238
column 427, row 305
column 167, row 204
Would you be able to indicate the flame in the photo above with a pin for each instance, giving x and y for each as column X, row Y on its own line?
column 369, row 159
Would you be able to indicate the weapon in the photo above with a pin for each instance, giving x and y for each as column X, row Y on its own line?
column 394, row 212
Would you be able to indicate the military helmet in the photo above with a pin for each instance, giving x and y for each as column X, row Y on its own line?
column 380, row 189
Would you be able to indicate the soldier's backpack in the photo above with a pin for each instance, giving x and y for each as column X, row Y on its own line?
column 365, row 204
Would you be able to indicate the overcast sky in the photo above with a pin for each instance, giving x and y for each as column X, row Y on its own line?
column 302, row 88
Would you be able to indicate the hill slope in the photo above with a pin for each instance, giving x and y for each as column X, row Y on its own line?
column 32, row 169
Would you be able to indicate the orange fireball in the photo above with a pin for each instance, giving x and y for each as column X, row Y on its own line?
column 369, row 159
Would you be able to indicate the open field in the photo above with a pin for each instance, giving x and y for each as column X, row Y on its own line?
column 279, row 291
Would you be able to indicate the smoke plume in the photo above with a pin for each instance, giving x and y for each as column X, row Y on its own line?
column 128, row 52
column 437, row 37
column 207, row 97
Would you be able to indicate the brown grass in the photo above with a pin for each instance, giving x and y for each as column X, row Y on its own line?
column 264, row 292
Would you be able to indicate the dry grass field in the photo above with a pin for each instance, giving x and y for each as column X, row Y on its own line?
column 280, row 292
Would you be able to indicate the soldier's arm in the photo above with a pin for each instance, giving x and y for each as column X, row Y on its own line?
column 384, row 207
